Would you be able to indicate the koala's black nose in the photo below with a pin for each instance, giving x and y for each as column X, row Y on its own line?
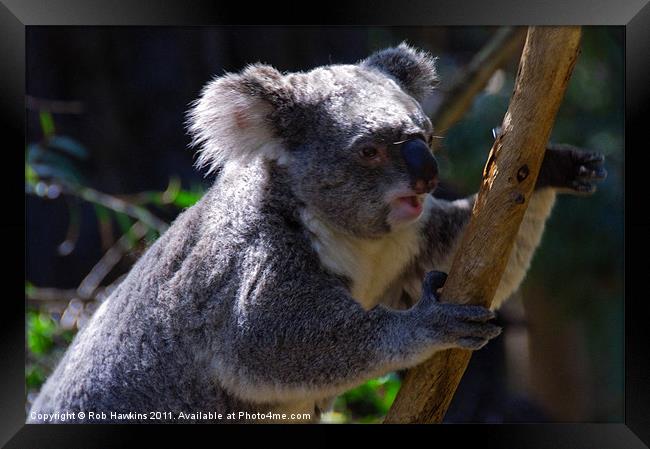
column 421, row 165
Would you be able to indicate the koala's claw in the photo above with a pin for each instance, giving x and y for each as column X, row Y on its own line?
column 453, row 325
column 583, row 187
column 587, row 173
column 590, row 165
column 471, row 313
column 590, row 169
column 571, row 169
column 475, row 329
column 587, row 157
column 470, row 334
column 433, row 281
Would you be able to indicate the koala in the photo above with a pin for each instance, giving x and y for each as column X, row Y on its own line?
column 310, row 266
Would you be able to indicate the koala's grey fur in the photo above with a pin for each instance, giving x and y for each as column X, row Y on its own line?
column 287, row 283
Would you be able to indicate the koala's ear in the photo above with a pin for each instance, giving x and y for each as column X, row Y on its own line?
column 414, row 70
column 231, row 120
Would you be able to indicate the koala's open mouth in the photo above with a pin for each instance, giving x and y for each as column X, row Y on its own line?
column 406, row 208
column 413, row 201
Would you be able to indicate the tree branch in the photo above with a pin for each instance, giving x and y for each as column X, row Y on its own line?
column 111, row 258
column 508, row 181
column 495, row 54
column 116, row 204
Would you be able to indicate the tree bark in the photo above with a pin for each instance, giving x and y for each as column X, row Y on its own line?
column 509, row 177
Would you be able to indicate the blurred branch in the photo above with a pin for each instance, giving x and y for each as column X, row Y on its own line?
column 116, row 204
column 165, row 197
column 89, row 289
column 46, row 294
column 68, row 245
column 499, row 50
column 54, row 106
column 108, row 261
column 40, row 296
column 110, row 202
column 43, row 296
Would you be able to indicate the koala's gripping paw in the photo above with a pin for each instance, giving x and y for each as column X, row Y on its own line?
column 453, row 325
column 571, row 169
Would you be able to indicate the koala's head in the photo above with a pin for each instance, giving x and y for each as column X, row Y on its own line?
column 354, row 138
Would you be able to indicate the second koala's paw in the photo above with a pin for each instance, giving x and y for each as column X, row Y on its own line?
column 454, row 325
column 571, row 169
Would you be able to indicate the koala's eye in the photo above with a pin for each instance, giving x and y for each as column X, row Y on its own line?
column 369, row 152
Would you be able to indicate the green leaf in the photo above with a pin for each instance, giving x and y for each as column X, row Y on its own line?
column 151, row 236
column 155, row 198
column 47, row 163
column 369, row 402
column 40, row 330
column 102, row 213
column 29, row 288
column 30, row 174
column 47, row 123
column 67, row 335
column 34, row 377
column 185, row 198
column 53, row 172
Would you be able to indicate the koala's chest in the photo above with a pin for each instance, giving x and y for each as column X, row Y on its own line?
column 375, row 267
column 371, row 265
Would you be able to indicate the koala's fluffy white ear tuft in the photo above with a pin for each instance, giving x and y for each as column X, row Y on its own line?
column 231, row 120
column 414, row 70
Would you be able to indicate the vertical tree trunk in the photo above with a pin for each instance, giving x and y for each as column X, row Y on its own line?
column 509, row 177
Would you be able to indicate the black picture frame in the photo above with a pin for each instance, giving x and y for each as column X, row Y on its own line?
column 634, row 15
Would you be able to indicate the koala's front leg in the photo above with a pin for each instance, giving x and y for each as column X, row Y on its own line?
column 448, row 324
column 565, row 169
column 300, row 347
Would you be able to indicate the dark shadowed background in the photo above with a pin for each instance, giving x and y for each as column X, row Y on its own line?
column 107, row 164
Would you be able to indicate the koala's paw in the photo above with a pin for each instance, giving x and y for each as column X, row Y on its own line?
column 453, row 325
column 572, row 170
